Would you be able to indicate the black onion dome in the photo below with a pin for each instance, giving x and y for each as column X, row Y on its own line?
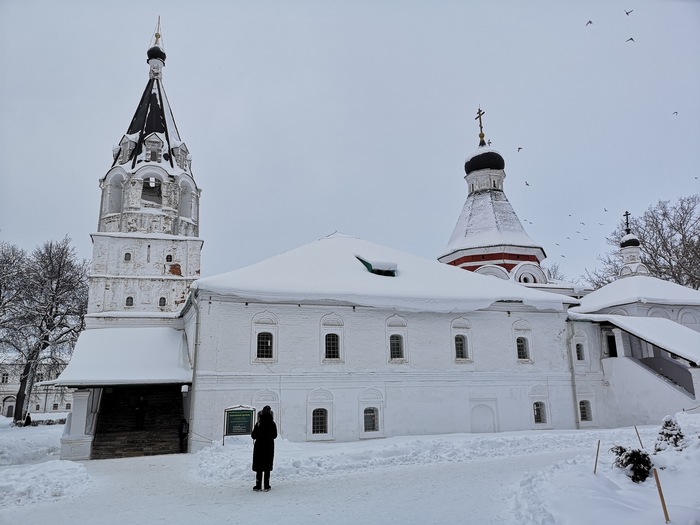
column 156, row 52
column 629, row 240
column 489, row 159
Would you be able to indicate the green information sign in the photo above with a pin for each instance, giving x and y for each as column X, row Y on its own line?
column 239, row 421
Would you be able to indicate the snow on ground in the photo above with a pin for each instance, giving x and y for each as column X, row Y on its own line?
column 512, row 477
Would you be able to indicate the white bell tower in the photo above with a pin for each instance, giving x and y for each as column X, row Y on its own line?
column 146, row 251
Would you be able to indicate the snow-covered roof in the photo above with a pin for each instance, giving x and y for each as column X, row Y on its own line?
column 664, row 333
column 329, row 271
column 638, row 289
column 125, row 356
column 488, row 219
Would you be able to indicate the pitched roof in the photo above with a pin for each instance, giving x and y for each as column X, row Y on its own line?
column 328, row 271
column 638, row 289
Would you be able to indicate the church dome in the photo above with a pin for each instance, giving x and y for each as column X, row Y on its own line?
column 156, row 52
column 629, row 240
column 484, row 159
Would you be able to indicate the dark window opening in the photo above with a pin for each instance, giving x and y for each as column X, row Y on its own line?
column 523, row 350
column 396, row 346
column 371, row 419
column 264, row 345
column 162, row 301
column 151, row 191
column 540, row 412
column 612, row 345
column 319, row 421
column 332, row 346
column 129, row 301
column 460, row 347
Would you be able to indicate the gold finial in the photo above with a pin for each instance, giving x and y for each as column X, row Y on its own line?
column 480, row 114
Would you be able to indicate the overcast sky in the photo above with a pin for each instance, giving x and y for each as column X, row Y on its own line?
column 309, row 117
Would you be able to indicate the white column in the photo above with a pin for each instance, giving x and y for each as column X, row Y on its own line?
column 75, row 444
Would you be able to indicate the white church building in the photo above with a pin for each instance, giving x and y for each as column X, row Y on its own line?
column 349, row 340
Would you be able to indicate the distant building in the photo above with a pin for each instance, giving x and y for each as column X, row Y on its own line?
column 349, row 340
column 44, row 398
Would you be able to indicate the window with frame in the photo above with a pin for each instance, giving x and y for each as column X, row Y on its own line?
column 162, row 301
column 5, row 377
column 39, row 377
column 580, row 354
column 37, row 408
column 523, row 349
column 396, row 347
column 332, row 346
column 127, row 257
column 540, row 412
column 129, row 301
column 68, row 406
column 168, row 258
column 371, row 417
column 55, row 406
column 584, row 408
column 319, row 421
column 461, row 347
column 264, row 346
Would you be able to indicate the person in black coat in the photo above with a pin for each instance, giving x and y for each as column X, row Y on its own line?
column 264, row 433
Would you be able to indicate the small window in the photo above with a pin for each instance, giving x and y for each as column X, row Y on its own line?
column 127, row 257
column 319, row 421
column 584, row 408
column 5, row 377
column 162, row 301
column 371, row 419
column 460, row 347
column 264, row 345
column 37, row 408
column 540, row 412
column 55, row 406
column 129, row 301
column 68, row 406
column 580, row 356
column 168, row 258
column 396, row 346
column 39, row 377
column 522, row 347
column 332, row 346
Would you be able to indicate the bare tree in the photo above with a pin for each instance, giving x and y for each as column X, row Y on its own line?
column 46, row 300
column 670, row 244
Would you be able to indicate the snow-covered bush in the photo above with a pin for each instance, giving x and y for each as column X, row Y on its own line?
column 635, row 461
column 670, row 435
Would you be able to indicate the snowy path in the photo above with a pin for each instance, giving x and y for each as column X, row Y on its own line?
column 426, row 492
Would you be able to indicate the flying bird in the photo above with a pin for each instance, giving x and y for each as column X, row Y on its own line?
column 630, row 39
column 582, row 223
column 557, row 244
column 605, row 209
column 600, row 224
column 519, row 149
column 563, row 256
column 569, row 238
column 488, row 142
column 675, row 112
column 527, row 183
column 589, row 22
column 628, row 12
column 578, row 231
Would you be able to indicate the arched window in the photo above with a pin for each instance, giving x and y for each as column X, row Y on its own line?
column 319, row 421
column 168, row 258
column 580, row 355
column 129, row 301
column 265, row 345
column 460, row 347
column 162, row 301
column 396, row 346
column 68, row 406
column 332, row 346
column 55, row 406
column 127, row 257
column 584, row 408
column 522, row 348
column 152, row 190
column 540, row 412
column 371, row 419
